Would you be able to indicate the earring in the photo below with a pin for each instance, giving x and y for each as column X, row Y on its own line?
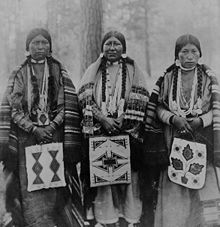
column 177, row 62
column 27, row 53
column 124, row 55
column 101, row 55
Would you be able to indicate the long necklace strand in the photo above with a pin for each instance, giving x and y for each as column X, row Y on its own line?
column 107, row 93
column 191, row 100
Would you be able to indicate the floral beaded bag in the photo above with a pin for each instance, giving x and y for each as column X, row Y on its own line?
column 187, row 163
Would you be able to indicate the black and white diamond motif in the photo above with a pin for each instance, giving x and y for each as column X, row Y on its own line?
column 55, row 165
column 113, row 161
column 37, row 168
column 43, row 118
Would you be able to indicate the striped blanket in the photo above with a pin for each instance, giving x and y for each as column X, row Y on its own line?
column 135, row 103
column 5, row 118
column 72, row 129
column 71, row 142
column 216, row 113
column 155, row 153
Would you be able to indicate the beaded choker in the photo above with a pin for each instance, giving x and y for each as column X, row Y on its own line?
column 187, row 69
column 37, row 62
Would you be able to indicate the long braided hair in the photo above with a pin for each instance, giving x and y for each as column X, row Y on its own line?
column 174, row 69
column 51, row 87
column 180, row 43
column 103, row 70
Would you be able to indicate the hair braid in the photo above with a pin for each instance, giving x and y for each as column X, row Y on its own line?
column 35, row 89
column 51, row 87
column 123, row 78
column 199, row 88
column 175, row 77
column 103, row 70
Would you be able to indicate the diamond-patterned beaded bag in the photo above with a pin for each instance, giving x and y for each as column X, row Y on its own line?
column 45, row 167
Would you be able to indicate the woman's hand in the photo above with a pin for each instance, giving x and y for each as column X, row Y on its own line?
column 43, row 135
column 49, row 129
column 119, row 121
column 181, row 124
column 195, row 123
column 110, row 125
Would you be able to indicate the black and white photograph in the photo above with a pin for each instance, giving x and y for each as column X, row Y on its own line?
column 110, row 113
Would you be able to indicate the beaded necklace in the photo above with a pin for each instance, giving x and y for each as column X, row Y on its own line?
column 50, row 87
column 37, row 62
column 177, row 95
column 113, row 104
column 42, row 109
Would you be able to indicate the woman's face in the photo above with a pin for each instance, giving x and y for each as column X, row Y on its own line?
column 189, row 56
column 112, row 49
column 39, row 47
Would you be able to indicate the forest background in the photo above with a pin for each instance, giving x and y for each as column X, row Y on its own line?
column 151, row 28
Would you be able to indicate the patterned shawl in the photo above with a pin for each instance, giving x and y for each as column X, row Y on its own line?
column 72, row 129
column 154, row 145
column 154, row 151
column 5, row 117
column 135, row 103
column 215, row 88
column 72, row 140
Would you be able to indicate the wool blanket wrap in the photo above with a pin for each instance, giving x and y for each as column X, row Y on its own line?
column 50, row 207
column 136, row 98
column 191, row 207
column 154, row 128
column 135, row 102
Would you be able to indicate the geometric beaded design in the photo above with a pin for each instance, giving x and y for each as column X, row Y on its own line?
column 44, row 166
column 109, row 159
column 37, row 168
column 54, row 165
column 43, row 118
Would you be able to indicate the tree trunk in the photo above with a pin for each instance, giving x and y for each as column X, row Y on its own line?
column 19, row 48
column 91, row 33
column 53, row 24
column 147, row 46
